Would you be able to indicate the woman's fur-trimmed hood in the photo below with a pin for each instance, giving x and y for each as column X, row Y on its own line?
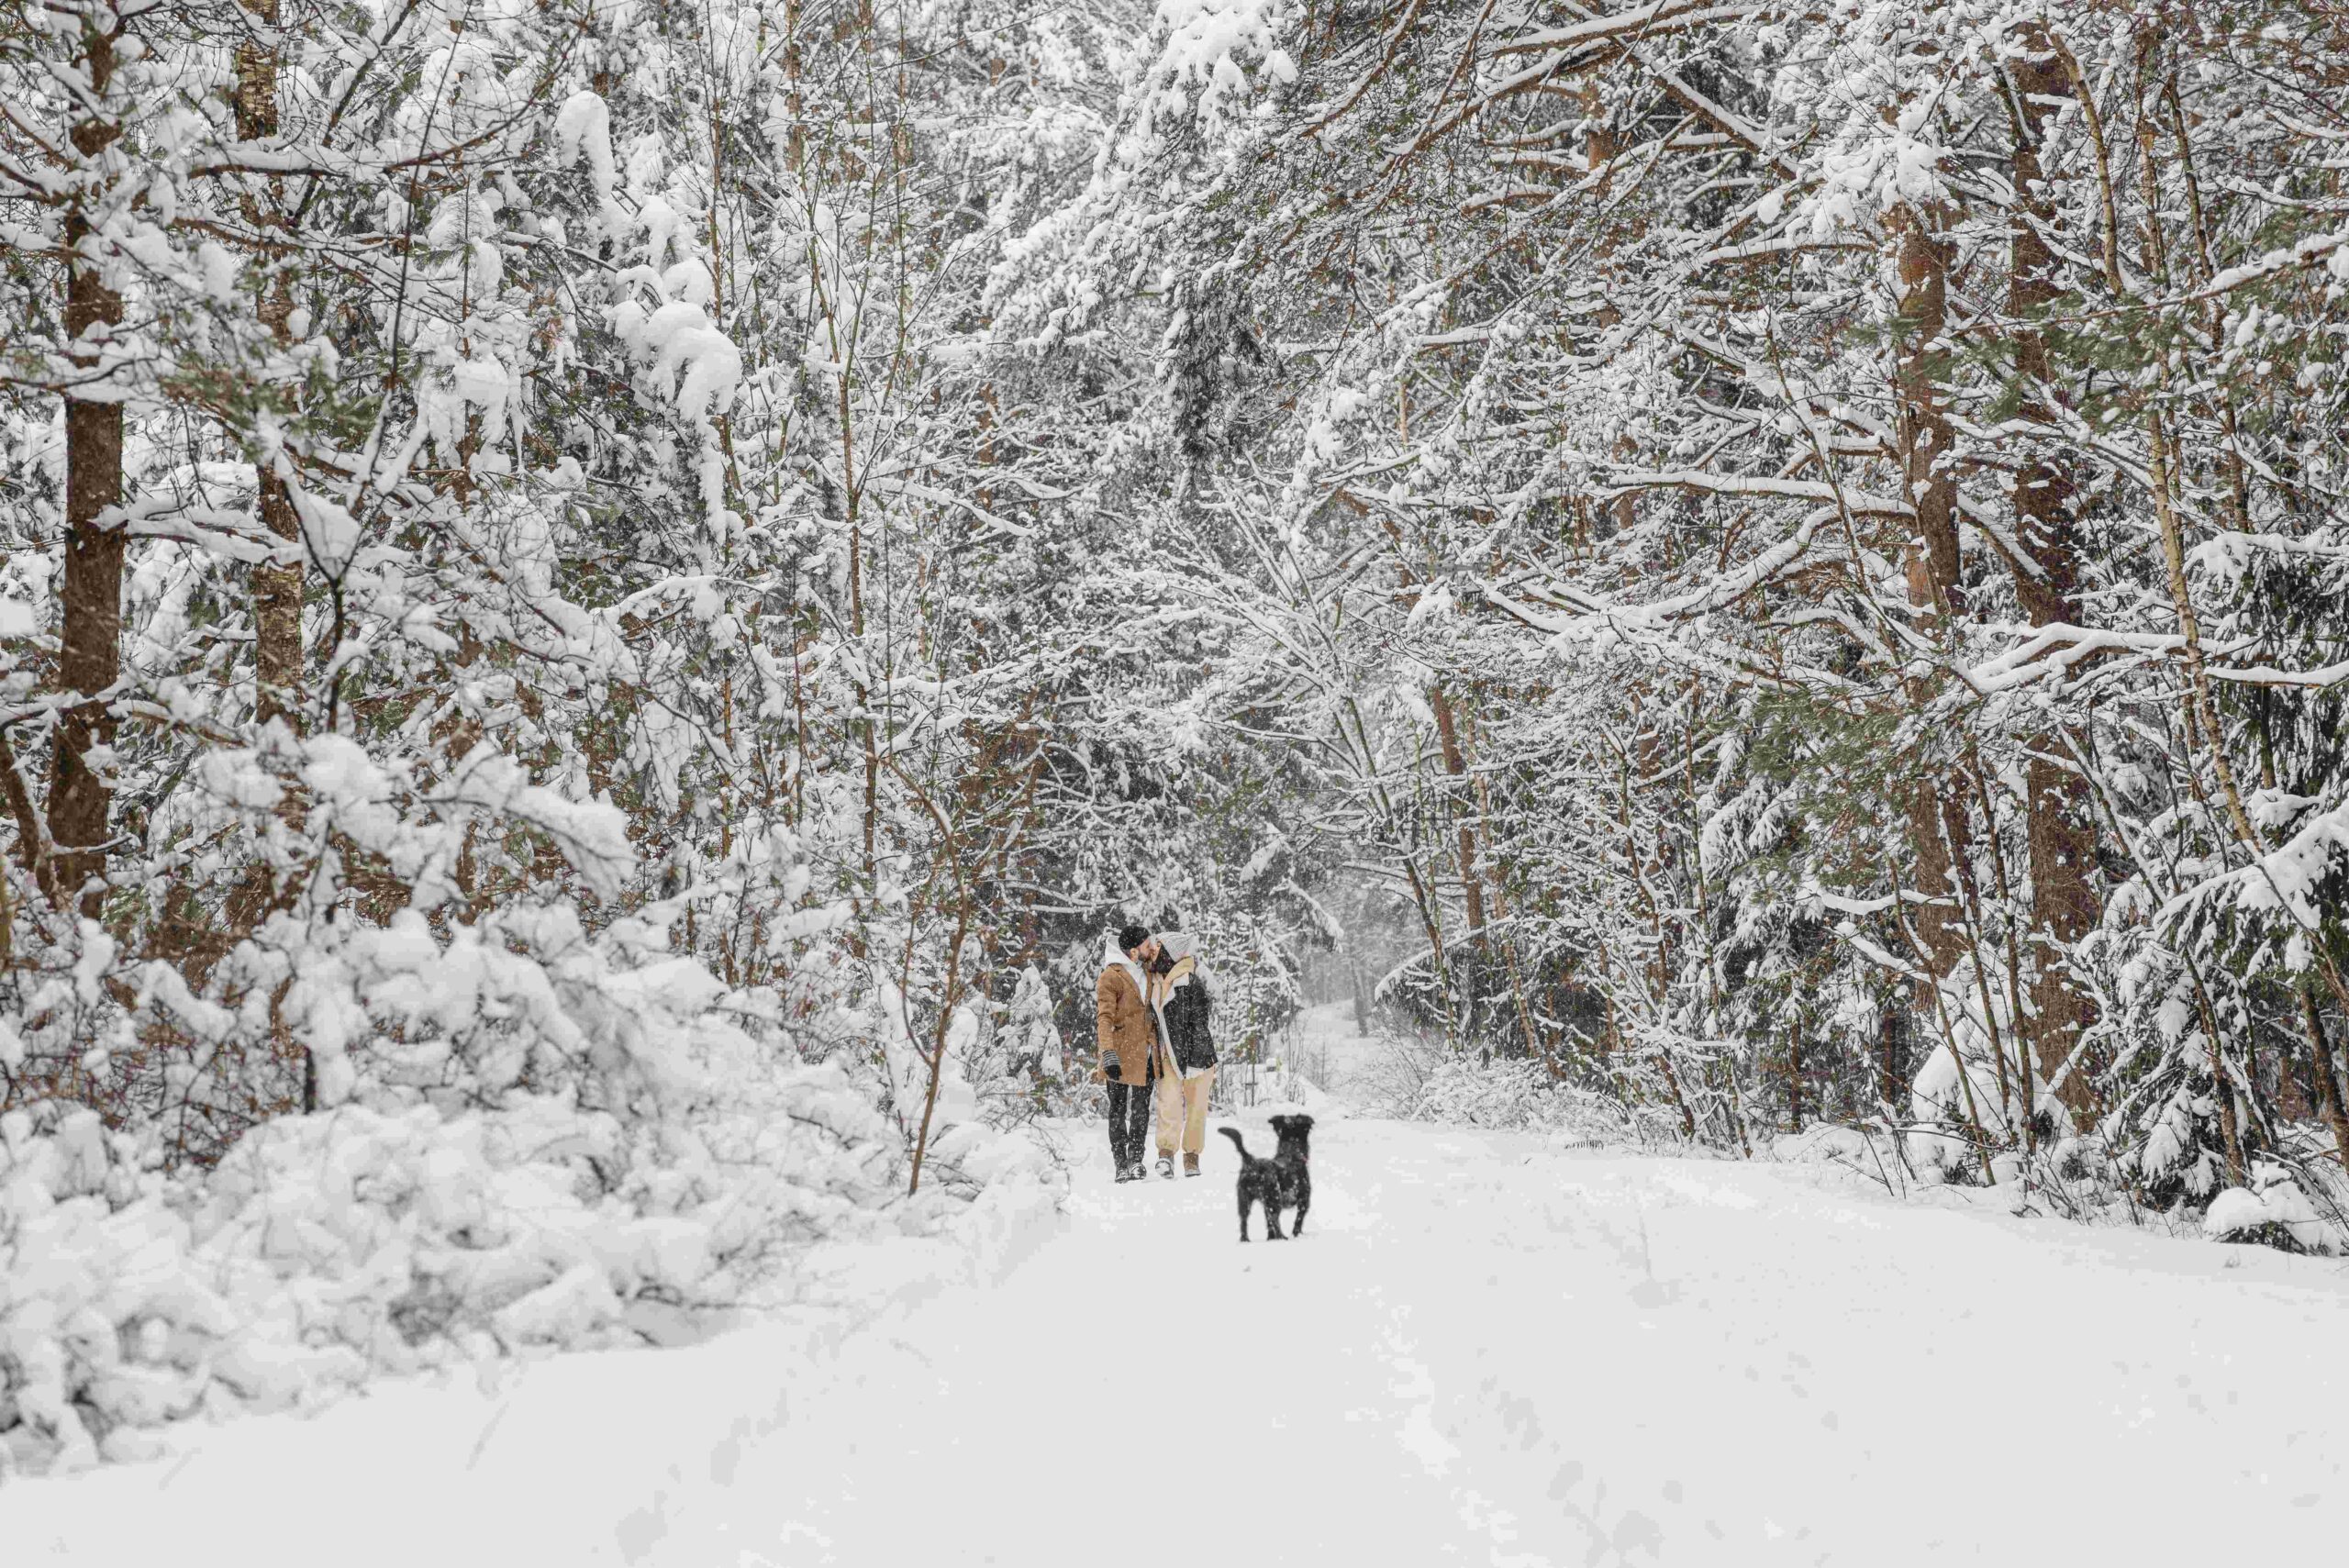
column 1184, row 949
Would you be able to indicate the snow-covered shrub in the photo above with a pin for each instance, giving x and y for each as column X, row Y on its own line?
column 389, row 1235
column 1957, row 1109
column 2297, row 1198
column 1512, row 1095
column 2273, row 1211
column 330, row 1247
column 970, row 1134
column 1038, row 1065
column 527, row 1132
column 1426, row 1084
column 1824, row 1143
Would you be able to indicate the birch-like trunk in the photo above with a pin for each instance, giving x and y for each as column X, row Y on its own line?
column 277, row 586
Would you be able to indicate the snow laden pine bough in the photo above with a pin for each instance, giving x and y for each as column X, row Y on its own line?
column 531, row 1137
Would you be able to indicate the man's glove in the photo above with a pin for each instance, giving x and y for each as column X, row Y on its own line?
column 1115, row 1070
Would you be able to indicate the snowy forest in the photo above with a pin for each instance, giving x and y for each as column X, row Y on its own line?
column 601, row 601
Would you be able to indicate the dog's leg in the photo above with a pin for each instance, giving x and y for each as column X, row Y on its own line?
column 1272, row 1222
column 1244, row 1214
column 1304, row 1201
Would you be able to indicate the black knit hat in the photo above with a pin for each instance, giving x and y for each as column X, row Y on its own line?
column 1131, row 937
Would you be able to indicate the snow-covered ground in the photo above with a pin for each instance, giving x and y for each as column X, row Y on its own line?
column 1481, row 1352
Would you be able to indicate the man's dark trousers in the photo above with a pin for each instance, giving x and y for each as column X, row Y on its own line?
column 1129, row 1123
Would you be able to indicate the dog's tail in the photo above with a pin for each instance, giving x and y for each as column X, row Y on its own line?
column 1233, row 1134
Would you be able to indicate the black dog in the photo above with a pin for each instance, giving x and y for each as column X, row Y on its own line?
column 1279, row 1183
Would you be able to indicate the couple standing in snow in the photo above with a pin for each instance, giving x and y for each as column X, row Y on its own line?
column 1150, row 1024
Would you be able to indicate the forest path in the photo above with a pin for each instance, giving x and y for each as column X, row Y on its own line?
column 1481, row 1352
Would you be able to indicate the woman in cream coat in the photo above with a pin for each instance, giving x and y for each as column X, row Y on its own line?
column 1180, row 1001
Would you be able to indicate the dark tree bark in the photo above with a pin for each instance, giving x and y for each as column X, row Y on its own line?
column 90, row 652
column 2329, row 1096
column 1794, row 1077
column 1892, row 1059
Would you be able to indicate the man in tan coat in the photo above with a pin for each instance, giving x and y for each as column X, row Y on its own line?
column 1127, row 1035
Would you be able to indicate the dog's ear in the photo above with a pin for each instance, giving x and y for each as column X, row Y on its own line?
column 1279, row 1125
column 1302, row 1123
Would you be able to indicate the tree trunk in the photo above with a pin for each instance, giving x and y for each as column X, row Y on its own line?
column 1456, row 763
column 1926, row 437
column 1471, row 887
column 2327, row 1087
column 90, row 651
column 1794, row 1077
column 277, row 587
column 1891, row 1064
column 2065, row 902
column 1938, row 827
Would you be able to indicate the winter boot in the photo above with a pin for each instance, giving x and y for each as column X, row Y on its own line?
column 1167, row 1167
column 1190, row 1162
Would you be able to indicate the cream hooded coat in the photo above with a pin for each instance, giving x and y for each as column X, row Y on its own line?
column 1187, row 970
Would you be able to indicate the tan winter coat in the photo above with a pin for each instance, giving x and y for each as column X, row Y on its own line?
column 1122, row 1025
